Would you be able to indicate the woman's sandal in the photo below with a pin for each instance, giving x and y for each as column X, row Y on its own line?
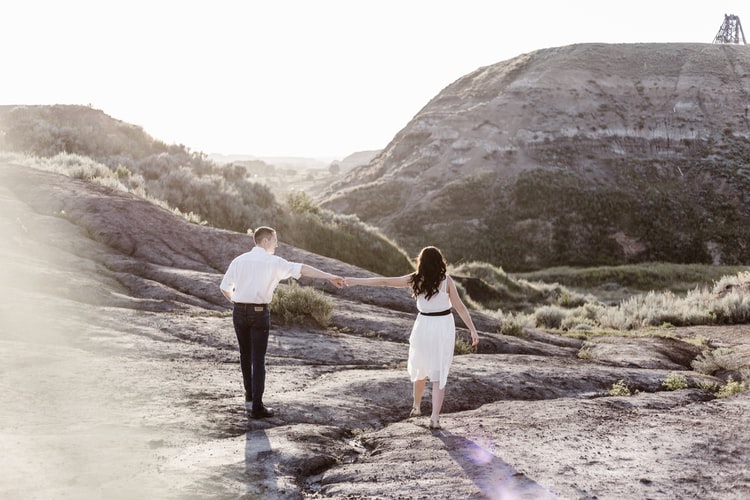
column 415, row 412
column 434, row 424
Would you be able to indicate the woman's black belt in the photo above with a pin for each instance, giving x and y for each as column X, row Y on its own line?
column 439, row 313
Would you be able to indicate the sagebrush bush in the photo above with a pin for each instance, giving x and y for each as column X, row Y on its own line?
column 462, row 347
column 514, row 324
column 570, row 299
column 674, row 381
column 712, row 361
column 293, row 303
column 734, row 306
column 573, row 322
column 620, row 388
column 550, row 317
column 342, row 237
column 730, row 388
column 678, row 278
column 585, row 352
column 512, row 329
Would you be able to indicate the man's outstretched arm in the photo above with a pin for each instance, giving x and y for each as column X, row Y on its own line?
column 312, row 272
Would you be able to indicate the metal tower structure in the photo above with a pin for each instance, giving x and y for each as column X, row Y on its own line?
column 730, row 31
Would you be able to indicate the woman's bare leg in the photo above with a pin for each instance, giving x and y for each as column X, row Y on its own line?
column 438, row 395
column 417, row 392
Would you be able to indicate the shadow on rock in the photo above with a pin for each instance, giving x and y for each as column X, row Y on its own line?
column 494, row 477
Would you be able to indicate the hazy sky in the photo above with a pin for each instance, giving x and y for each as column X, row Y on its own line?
column 317, row 78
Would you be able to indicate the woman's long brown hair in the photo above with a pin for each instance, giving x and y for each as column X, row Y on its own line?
column 430, row 272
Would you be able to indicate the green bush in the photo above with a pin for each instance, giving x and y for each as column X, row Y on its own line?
column 712, row 361
column 550, row 317
column 514, row 325
column 674, row 381
column 293, row 303
column 585, row 353
column 462, row 347
column 620, row 388
column 730, row 388
column 342, row 237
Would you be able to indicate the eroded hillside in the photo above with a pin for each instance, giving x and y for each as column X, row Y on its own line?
column 578, row 155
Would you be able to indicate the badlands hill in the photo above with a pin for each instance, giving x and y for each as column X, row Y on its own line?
column 579, row 155
column 119, row 379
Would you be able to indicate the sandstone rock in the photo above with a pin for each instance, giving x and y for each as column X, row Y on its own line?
column 120, row 379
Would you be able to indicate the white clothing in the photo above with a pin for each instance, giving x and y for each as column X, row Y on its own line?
column 432, row 339
column 252, row 277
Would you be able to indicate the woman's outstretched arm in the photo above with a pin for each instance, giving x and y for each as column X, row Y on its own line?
column 396, row 282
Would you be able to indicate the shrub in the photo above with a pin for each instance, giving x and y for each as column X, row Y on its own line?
column 514, row 325
column 293, row 303
column 712, row 361
column 462, row 347
column 620, row 388
column 571, row 299
column 577, row 323
column 674, row 381
column 342, row 237
column 730, row 388
column 549, row 316
column 708, row 386
column 678, row 278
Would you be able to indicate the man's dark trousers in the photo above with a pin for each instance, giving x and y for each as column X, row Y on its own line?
column 252, row 323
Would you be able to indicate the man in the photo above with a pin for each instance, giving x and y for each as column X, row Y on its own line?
column 249, row 283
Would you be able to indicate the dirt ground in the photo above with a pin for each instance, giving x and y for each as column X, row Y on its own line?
column 120, row 379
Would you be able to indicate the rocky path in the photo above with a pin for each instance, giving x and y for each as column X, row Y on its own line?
column 120, row 379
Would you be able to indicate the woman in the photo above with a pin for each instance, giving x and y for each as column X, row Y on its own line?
column 433, row 335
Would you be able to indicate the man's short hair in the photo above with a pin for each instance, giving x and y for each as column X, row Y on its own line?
column 262, row 232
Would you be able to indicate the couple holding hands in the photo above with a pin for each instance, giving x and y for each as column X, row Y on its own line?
column 252, row 277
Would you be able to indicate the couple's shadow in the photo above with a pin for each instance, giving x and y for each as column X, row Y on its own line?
column 494, row 477
column 260, row 478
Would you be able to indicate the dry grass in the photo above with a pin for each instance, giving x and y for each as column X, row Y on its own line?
column 294, row 303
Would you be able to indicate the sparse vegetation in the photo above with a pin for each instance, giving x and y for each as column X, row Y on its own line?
column 674, row 381
column 343, row 237
column 514, row 325
column 549, row 316
column 726, row 302
column 663, row 276
column 585, row 353
column 731, row 388
column 580, row 208
column 716, row 360
column 124, row 157
column 620, row 388
column 294, row 303
column 462, row 347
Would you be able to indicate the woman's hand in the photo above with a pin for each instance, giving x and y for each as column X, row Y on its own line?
column 474, row 338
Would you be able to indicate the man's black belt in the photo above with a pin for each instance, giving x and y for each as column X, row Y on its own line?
column 247, row 304
column 439, row 313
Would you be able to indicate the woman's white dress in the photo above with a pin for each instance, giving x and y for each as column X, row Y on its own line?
column 432, row 339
